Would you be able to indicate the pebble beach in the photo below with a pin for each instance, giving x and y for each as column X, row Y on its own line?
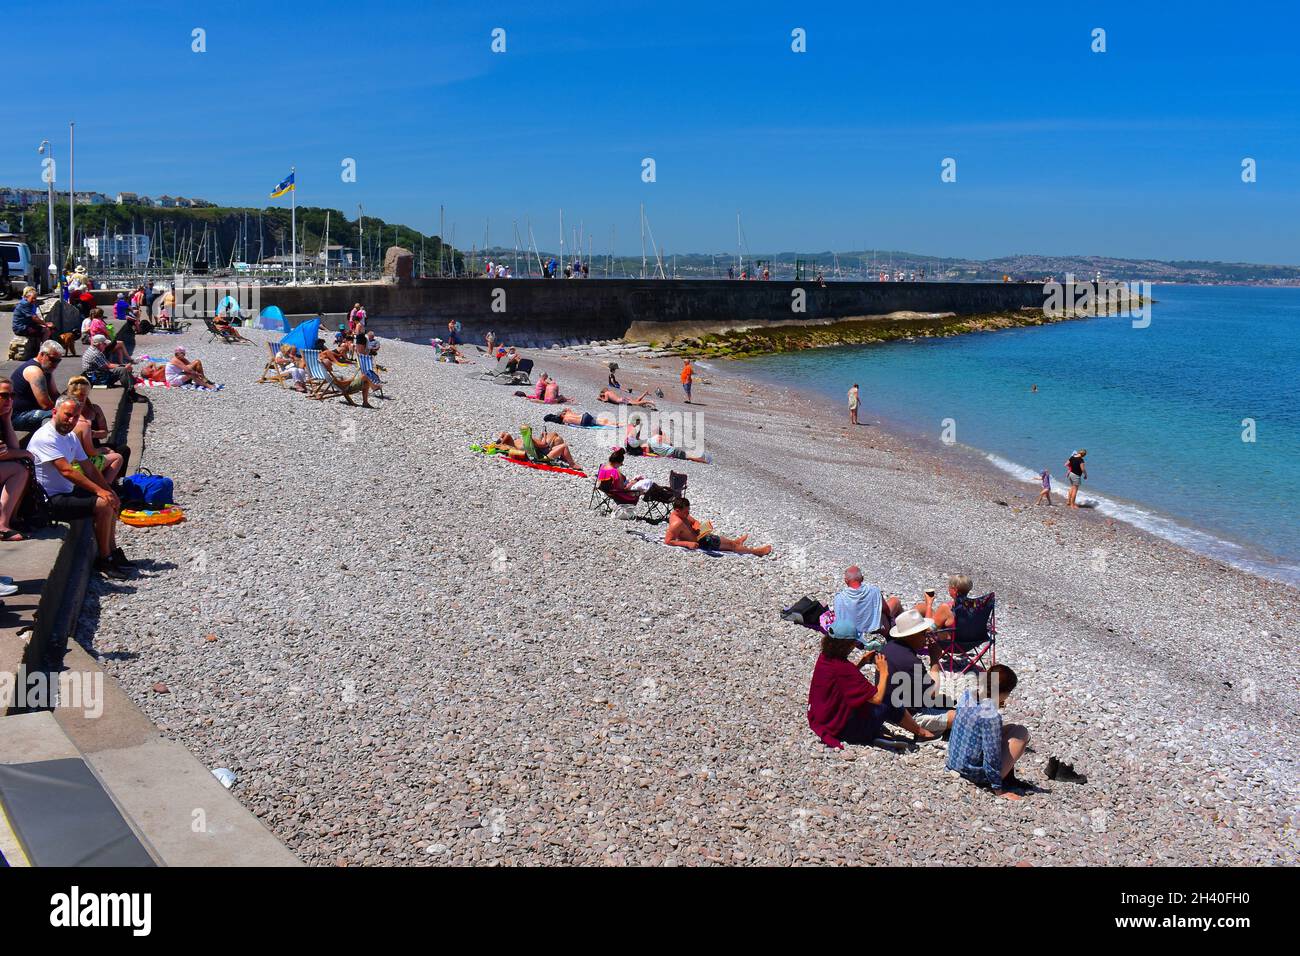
column 413, row 654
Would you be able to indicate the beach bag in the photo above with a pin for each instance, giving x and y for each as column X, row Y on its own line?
column 33, row 512
column 146, row 488
column 804, row 611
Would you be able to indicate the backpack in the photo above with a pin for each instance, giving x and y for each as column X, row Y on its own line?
column 804, row 611
column 146, row 488
column 33, row 513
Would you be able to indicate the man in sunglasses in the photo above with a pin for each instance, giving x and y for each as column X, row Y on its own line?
column 75, row 487
column 34, row 390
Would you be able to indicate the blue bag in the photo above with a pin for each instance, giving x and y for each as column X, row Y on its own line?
column 154, row 490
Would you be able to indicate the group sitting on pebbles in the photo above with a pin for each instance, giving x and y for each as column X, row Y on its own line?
column 547, row 447
column 845, row 707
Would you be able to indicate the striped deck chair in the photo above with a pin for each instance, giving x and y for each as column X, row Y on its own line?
column 320, row 384
column 367, row 363
column 270, row 371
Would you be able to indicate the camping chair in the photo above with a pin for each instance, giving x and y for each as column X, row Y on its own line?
column 367, row 363
column 217, row 333
column 270, row 371
column 657, row 510
column 320, row 383
column 974, row 629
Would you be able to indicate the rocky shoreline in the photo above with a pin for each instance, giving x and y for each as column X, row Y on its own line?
column 410, row 653
column 742, row 343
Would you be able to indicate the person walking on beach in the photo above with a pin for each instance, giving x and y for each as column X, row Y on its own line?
column 853, row 404
column 1076, row 472
column 688, row 378
column 1046, row 493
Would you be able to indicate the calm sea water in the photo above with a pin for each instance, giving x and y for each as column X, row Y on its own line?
column 1162, row 411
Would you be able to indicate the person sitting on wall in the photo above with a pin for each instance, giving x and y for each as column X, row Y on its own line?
column 33, row 387
column 29, row 325
column 75, row 487
column 97, row 368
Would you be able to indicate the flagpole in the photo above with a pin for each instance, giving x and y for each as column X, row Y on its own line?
column 293, row 222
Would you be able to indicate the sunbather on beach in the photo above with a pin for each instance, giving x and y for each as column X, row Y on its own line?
column 981, row 748
column 451, row 353
column 341, row 366
column 223, row 325
column 685, row 531
column 179, row 371
column 662, row 444
column 959, row 586
column 614, row 398
column 844, row 707
column 554, row 448
column 568, row 416
column 290, row 365
column 548, row 444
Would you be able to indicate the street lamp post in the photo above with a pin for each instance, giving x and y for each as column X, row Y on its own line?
column 47, row 173
column 72, row 196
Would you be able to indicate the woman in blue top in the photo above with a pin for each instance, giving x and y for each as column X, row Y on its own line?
column 980, row 748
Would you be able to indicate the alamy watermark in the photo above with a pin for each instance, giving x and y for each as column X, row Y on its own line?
column 41, row 690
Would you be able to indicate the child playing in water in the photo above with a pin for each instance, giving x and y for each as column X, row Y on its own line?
column 1046, row 494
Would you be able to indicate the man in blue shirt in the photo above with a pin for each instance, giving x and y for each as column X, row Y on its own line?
column 29, row 325
column 980, row 748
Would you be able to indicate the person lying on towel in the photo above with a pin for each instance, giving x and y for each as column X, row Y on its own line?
column 685, row 531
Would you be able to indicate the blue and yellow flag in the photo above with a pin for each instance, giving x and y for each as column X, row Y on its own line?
column 285, row 186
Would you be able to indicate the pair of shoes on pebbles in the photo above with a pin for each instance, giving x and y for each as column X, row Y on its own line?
column 1063, row 772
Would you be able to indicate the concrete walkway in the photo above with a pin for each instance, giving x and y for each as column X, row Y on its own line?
column 180, row 812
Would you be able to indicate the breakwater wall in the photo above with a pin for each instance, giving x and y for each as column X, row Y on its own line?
column 541, row 311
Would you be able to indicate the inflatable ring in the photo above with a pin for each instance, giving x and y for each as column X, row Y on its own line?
column 168, row 514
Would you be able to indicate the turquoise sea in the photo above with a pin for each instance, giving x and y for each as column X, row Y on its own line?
column 1166, row 412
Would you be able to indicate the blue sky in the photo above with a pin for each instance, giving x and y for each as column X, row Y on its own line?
column 1133, row 152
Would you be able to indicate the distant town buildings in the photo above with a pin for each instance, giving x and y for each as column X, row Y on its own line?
column 21, row 198
column 123, row 249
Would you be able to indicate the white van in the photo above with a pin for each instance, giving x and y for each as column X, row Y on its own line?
column 21, row 270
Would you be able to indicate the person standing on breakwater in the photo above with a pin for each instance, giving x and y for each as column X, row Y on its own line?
column 1076, row 472
column 853, row 404
column 688, row 378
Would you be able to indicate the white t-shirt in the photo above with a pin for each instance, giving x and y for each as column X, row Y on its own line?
column 47, row 445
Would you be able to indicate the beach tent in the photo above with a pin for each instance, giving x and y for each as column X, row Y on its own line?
column 234, row 306
column 272, row 318
column 304, row 336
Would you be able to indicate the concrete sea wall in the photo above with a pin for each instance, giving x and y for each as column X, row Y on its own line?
column 541, row 311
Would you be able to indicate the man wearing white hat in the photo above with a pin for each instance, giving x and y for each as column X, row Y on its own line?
column 911, row 686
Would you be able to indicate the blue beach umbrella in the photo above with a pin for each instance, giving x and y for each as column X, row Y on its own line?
column 303, row 336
